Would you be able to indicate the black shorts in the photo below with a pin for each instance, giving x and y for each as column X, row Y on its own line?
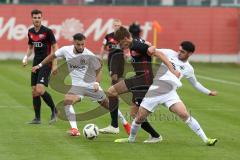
column 138, row 86
column 116, row 62
column 41, row 76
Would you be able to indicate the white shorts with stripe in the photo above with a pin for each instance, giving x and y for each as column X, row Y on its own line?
column 164, row 94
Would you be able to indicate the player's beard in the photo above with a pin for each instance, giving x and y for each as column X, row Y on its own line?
column 78, row 51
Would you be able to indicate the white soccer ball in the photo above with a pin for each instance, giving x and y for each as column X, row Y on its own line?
column 90, row 131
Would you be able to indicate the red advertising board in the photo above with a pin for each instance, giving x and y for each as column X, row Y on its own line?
column 213, row 30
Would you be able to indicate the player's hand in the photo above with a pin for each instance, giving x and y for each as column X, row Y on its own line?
column 54, row 70
column 24, row 61
column 151, row 50
column 213, row 93
column 35, row 68
column 96, row 86
column 177, row 73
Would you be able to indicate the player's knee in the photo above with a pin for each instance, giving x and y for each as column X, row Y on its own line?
column 140, row 118
column 68, row 100
column 105, row 103
column 142, row 115
column 39, row 90
column 184, row 115
column 111, row 92
column 34, row 93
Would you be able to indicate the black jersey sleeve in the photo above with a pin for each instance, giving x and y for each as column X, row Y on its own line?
column 29, row 39
column 51, row 37
column 117, row 64
column 139, row 46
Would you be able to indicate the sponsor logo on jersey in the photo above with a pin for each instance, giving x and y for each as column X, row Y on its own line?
column 42, row 80
column 37, row 44
column 81, row 67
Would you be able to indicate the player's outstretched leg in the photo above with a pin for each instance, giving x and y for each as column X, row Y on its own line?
column 180, row 109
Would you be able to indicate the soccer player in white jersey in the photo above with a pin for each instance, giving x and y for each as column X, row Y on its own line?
column 163, row 91
column 84, row 68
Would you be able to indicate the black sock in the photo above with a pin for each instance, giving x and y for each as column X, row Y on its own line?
column 113, row 105
column 37, row 106
column 49, row 101
column 148, row 128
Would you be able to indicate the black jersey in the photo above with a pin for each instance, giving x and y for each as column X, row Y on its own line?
column 42, row 41
column 141, row 61
column 110, row 43
column 115, row 55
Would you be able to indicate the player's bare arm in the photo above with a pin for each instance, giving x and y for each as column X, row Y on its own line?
column 48, row 59
column 148, row 43
column 103, row 51
column 29, row 53
column 153, row 52
column 98, row 77
column 54, row 62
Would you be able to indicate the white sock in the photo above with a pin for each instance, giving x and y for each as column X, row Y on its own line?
column 194, row 125
column 134, row 130
column 122, row 118
column 70, row 113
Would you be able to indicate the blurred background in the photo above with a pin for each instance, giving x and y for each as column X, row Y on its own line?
column 233, row 3
column 213, row 25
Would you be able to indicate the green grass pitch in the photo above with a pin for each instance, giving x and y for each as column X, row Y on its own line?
column 219, row 117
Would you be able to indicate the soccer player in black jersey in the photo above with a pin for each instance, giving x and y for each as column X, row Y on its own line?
column 141, row 53
column 144, row 75
column 116, row 68
column 42, row 41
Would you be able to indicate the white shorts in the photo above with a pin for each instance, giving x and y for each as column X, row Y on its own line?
column 88, row 91
column 150, row 103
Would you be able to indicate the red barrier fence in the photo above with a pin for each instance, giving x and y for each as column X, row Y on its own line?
column 214, row 30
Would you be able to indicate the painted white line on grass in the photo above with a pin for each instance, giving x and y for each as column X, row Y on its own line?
column 213, row 109
column 218, row 80
column 12, row 107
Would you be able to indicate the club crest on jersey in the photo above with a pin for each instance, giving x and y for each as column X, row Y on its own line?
column 41, row 36
column 182, row 67
column 82, row 61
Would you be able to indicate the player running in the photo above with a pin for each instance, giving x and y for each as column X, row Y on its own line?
column 84, row 68
column 163, row 91
column 40, row 39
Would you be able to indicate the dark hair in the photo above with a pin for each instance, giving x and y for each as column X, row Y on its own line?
column 121, row 33
column 135, row 30
column 79, row 36
column 188, row 46
column 36, row 11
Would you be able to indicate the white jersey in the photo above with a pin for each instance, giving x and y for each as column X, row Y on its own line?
column 185, row 68
column 82, row 67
